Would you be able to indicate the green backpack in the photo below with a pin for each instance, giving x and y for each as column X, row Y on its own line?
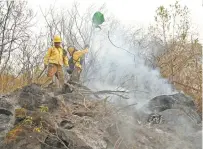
column 98, row 19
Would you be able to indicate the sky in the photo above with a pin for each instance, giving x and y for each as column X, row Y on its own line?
column 129, row 12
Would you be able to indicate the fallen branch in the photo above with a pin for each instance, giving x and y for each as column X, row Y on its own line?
column 118, row 142
column 44, row 143
column 57, row 137
column 82, row 92
column 126, row 107
column 109, row 91
column 139, row 91
column 119, row 95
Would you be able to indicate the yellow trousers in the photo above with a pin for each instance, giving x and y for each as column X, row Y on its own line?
column 55, row 70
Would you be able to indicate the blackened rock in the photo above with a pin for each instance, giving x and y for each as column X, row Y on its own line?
column 51, row 102
column 52, row 142
column 164, row 102
column 34, row 89
column 31, row 97
column 66, row 124
column 73, row 141
column 161, row 103
column 184, row 100
column 6, row 105
column 6, row 119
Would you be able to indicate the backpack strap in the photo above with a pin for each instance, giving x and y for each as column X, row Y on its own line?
column 76, row 60
column 73, row 59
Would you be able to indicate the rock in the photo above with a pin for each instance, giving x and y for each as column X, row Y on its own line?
column 160, row 103
column 6, row 106
column 4, row 121
column 34, row 89
column 195, row 139
column 175, row 109
column 51, row 102
column 178, row 120
column 85, row 134
column 6, row 112
column 73, row 141
column 31, row 97
column 6, row 117
column 181, row 99
column 194, row 116
column 176, row 101
column 66, row 124
column 52, row 142
column 164, row 102
column 45, row 120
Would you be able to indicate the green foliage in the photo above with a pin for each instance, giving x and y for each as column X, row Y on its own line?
column 29, row 123
column 20, row 113
column 28, row 120
column 162, row 14
column 44, row 108
column 173, row 22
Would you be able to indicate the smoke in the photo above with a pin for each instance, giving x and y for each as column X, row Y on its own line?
column 118, row 69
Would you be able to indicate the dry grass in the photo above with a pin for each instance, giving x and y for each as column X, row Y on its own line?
column 9, row 83
column 182, row 65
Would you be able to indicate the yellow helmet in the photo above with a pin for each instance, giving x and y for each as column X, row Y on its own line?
column 57, row 38
column 71, row 49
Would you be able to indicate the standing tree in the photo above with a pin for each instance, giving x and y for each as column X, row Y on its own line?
column 180, row 58
column 15, row 24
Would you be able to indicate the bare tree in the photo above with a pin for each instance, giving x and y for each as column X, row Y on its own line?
column 75, row 29
column 31, row 56
column 15, row 27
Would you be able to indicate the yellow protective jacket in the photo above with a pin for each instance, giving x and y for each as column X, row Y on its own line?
column 77, row 55
column 55, row 55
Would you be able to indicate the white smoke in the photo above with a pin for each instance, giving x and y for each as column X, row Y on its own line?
column 120, row 70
